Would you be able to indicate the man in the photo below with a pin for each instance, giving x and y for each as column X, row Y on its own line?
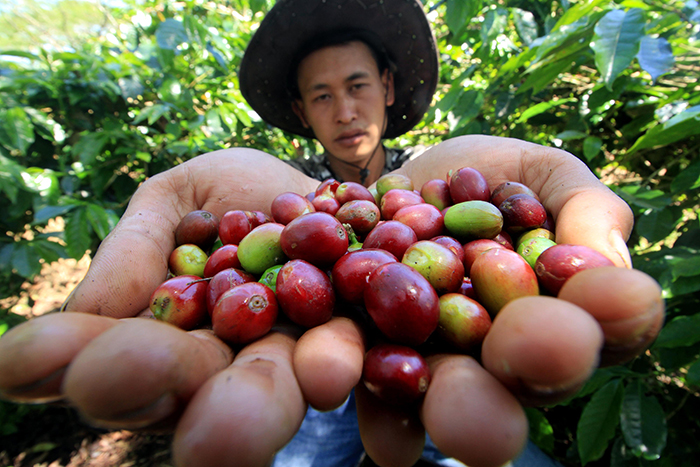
column 242, row 409
column 369, row 72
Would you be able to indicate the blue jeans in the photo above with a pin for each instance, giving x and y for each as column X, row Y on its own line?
column 332, row 439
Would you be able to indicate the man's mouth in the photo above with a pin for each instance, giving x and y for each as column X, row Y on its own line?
column 350, row 138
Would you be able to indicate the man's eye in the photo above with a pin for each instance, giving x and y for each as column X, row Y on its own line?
column 322, row 97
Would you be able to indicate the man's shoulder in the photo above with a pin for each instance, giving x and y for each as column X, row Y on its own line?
column 313, row 165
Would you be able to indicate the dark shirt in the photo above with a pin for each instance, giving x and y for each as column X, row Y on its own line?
column 318, row 167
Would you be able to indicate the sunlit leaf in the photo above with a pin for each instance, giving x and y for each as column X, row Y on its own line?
column 616, row 42
column 541, row 431
column 655, row 56
column 578, row 11
column 569, row 135
column 170, row 34
column 131, row 87
column 681, row 126
column 16, row 129
column 543, row 107
column 525, row 24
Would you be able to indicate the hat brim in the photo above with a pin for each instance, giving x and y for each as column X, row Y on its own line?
column 401, row 25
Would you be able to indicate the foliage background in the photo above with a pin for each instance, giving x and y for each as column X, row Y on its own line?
column 95, row 98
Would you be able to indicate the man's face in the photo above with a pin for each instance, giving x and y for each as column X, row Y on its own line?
column 343, row 99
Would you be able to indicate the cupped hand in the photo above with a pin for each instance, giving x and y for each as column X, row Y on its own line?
column 540, row 350
column 122, row 371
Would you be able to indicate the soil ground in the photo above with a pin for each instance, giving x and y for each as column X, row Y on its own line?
column 54, row 436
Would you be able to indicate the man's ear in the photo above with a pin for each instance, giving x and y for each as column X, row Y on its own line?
column 298, row 109
column 388, row 83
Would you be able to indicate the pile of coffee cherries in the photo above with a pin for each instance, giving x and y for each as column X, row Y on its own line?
column 421, row 269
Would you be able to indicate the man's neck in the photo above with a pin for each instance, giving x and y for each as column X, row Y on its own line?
column 349, row 173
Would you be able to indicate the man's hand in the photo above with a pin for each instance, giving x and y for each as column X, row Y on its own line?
column 135, row 373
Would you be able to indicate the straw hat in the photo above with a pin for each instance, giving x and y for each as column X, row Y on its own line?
column 400, row 25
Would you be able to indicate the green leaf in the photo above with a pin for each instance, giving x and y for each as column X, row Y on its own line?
column 459, row 13
column 99, row 220
column 591, row 147
column 688, row 178
column 541, row 431
column 19, row 53
column 543, row 107
column 525, row 24
column 576, row 12
column 598, row 421
column 17, row 130
column 643, row 423
column 49, row 251
column 77, row 233
column 655, row 56
column 642, row 197
column 89, row 147
column 569, row 135
column 494, row 24
column 152, row 113
column 467, row 108
column 595, row 382
column 680, row 332
column 616, row 42
column 655, row 224
column 49, row 212
column 170, row 34
column 693, row 375
column 131, row 87
column 26, row 260
column 681, row 126
column 6, row 255
column 686, row 267
column 540, row 77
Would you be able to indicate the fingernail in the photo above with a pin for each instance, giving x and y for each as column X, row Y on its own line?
column 620, row 246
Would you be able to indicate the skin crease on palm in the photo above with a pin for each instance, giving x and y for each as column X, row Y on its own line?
column 239, row 409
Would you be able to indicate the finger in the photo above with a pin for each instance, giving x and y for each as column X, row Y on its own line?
column 542, row 349
column 586, row 211
column 246, row 413
column 34, row 355
column 393, row 436
column 141, row 373
column 328, row 362
column 627, row 303
column 470, row 416
column 133, row 260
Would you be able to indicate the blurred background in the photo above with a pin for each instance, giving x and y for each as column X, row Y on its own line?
column 95, row 97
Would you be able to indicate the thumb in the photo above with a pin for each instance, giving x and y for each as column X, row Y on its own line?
column 599, row 219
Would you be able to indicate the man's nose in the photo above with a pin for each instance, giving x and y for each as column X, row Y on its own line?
column 346, row 110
